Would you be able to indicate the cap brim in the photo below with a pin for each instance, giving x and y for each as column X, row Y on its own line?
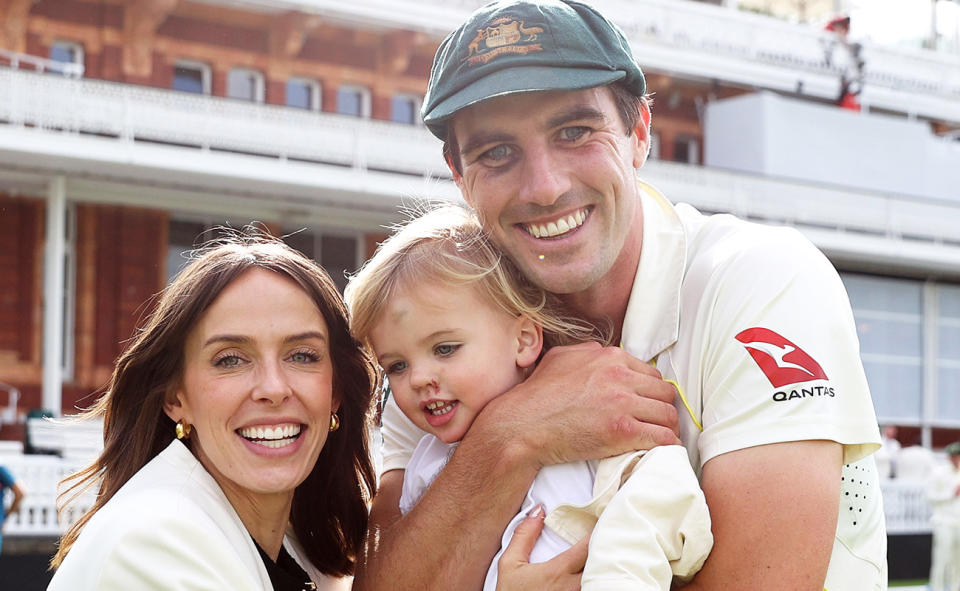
column 518, row 79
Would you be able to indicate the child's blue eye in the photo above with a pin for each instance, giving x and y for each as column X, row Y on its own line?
column 396, row 367
column 446, row 349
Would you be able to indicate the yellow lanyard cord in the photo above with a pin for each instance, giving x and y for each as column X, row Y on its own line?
column 683, row 397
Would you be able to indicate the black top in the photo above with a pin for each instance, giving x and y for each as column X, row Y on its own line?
column 285, row 573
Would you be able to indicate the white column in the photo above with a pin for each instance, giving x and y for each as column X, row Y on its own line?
column 53, row 267
column 931, row 352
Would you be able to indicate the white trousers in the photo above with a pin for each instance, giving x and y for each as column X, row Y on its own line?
column 945, row 564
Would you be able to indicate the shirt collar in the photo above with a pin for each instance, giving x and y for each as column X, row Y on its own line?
column 652, row 321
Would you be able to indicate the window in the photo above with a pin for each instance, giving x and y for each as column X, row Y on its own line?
column 654, row 153
column 889, row 317
column 70, row 55
column 338, row 254
column 191, row 77
column 303, row 94
column 405, row 108
column 186, row 235
column 948, row 353
column 182, row 237
column 686, row 149
column 353, row 100
column 245, row 84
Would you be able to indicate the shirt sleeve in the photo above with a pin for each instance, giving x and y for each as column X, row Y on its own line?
column 669, row 527
column 780, row 353
column 400, row 437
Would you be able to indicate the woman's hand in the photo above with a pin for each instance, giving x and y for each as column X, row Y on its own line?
column 561, row 573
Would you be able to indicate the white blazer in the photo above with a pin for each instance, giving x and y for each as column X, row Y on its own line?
column 170, row 527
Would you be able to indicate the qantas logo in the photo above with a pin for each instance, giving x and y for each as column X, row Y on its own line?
column 780, row 360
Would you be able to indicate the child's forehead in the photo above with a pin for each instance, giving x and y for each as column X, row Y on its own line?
column 435, row 301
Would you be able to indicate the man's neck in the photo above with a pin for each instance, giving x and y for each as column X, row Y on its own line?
column 605, row 302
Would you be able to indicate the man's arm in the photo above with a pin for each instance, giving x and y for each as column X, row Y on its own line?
column 581, row 402
column 774, row 510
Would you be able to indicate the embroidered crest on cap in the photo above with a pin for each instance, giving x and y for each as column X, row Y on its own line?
column 502, row 37
column 780, row 360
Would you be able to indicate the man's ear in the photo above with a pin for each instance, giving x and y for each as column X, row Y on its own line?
column 641, row 133
column 529, row 342
column 457, row 177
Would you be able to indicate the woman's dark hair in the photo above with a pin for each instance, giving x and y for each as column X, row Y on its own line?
column 329, row 512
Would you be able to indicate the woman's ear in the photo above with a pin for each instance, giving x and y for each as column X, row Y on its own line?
column 529, row 342
column 173, row 404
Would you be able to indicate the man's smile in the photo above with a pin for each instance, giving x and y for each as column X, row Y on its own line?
column 559, row 226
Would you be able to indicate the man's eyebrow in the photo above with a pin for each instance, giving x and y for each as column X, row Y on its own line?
column 577, row 113
column 482, row 138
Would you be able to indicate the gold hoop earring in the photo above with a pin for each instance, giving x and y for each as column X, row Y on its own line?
column 183, row 430
column 334, row 422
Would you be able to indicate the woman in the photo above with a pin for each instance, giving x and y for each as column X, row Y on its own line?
column 235, row 451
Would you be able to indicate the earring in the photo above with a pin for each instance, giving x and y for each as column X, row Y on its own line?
column 334, row 422
column 183, row 430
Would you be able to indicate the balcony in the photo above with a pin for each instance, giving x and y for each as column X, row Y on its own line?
column 119, row 143
column 703, row 41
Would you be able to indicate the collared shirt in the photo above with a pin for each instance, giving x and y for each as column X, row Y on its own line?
column 754, row 326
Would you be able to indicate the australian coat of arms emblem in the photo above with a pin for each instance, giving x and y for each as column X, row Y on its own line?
column 503, row 36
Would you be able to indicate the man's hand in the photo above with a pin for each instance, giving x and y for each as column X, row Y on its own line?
column 582, row 402
column 561, row 573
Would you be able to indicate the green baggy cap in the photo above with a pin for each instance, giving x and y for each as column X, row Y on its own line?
column 522, row 46
column 953, row 449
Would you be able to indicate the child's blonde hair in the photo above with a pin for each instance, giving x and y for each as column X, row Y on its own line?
column 447, row 244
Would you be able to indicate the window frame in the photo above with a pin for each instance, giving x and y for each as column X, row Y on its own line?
column 316, row 101
column 259, row 84
column 417, row 103
column 206, row 75
column 78, row 56
column 365, row 100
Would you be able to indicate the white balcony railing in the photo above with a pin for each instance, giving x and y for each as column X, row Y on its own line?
column 905, row 504
column 137, row 113
column 710, row 42
column 39, row 64
column 48, row 106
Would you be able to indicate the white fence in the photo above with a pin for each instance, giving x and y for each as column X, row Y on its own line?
column 905, row 503
column 905, row 507
column 136, row 113
column 132, row 113
column 705, row 41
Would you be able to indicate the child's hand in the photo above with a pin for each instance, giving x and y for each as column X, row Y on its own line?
column 561, row 573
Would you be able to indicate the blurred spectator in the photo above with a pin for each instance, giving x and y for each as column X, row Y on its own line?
column 944, row 495
column 915, row 463
column 888, row 454
column 7, row 482
column 839, row 52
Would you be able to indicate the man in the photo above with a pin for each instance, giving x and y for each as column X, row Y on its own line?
column 542, row 112
column 7, row 482
column 944, row 495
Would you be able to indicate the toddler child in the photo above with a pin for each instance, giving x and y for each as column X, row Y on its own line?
column 454, row 325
